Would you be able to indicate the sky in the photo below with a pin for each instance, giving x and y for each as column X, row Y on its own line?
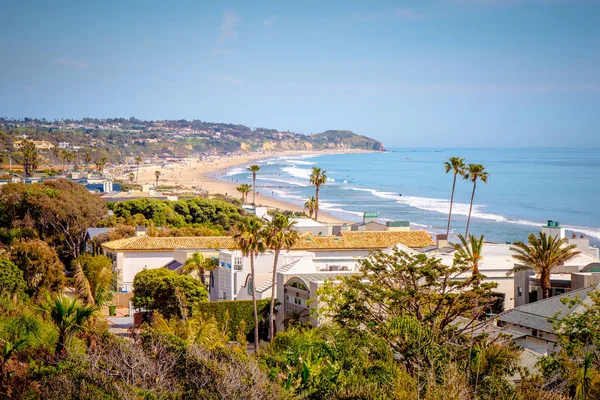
column 439, row 73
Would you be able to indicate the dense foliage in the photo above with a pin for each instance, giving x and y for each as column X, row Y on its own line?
column 40, row 265
column 235, row 315
column 167, row 292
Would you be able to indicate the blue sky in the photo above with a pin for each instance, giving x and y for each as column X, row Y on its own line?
column 447, row 73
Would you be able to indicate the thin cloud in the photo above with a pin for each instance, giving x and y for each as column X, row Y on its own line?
column 69, row 62
column 270, row 20
column 224, row 78
column 228, row 29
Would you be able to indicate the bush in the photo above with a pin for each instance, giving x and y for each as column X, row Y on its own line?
column 12, row 284
column 236, row 315
column 167, row 292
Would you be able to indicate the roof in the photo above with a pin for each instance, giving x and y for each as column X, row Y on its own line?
column 536, row 315
column 398, row 224
column 93, row 232
column 307, row 222
column 361, row 240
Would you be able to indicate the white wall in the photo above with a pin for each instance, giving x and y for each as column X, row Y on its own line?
column 132, row 263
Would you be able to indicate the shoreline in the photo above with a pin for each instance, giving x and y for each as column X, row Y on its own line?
column 206, row 175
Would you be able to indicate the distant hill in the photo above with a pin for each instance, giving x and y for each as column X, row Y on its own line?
column 119, row 138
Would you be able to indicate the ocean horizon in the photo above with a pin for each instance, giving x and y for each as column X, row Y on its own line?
column 526, row 187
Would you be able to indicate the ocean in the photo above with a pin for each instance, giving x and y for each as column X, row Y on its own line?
column 526, row 187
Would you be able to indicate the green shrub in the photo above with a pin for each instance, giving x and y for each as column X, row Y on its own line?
column 235, row 315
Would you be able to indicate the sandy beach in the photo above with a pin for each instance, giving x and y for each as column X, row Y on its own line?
column 204, row 175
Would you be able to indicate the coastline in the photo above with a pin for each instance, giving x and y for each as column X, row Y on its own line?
column 206, row 175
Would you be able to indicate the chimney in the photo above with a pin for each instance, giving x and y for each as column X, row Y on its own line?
column 140, row 230
column 441, row 240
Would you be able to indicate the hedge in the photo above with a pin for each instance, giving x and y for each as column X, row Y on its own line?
column 239, row 310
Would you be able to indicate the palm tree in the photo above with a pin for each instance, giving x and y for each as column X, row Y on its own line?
column 138, row 161
column 131, row 177
column 542, row 255
column 310, row 206
column 69, row 316
column 157, row 176
column 30, row 157
column 457, row 166
column 197, row 263
column 254, row 169
column 94, row 287
column 279, row 234
column 317, row 178
column 244, row 189
column 470, row 251
column 474, row 172
column 87, row 159
column 250, row 240
column 68, row 156
column 100, row 163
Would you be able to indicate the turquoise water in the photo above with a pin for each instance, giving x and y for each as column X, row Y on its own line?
column 526, row 187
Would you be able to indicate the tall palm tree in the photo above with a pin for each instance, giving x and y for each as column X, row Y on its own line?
column 100, row 163
column 197, row 263
column 157, row 176
column 457, row 166
column 87, row 159
column 310, row 206
column 542, row 255
column 244, row 189
column 317, row 178
column 254, row 169
column 69, row 156
column 250, row 240
column 138, row 161
column 470, row 251
column 279, row 234
column 68, row 315
column 474, row 172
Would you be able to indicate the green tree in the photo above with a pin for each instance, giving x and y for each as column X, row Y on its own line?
column 457, row 166
column 94, row 280
column 542, row 255
column 41, row 267
column 474, row 172
column 100, row 163
column 138, row 161
column 131, row 177
column 317, row 178
column 279, row 234
column 87, row 159
column 68, row 156
column 68, row 315
column 12, row 284
column 310, row 205
column 198, row 264
column 167, row 292
column 30, row 157
column 469, row 251
column 250, row 240
column 244, row 189
column 254, row 169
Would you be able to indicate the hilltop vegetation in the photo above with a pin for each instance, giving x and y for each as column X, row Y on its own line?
column 118, row 138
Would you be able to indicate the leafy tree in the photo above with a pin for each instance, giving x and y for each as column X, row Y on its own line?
column 457, row 166
column 60, row 211
column 317, row 178
column 30, row 157
column 250, row 240
column 69, row 316
column 12, row 284
column 474, row 173
column 131, row 177
column 469, row 252
column 542, row 255
column 279, row 234
column 41, row 267
column 167, row 292
column 254, row 169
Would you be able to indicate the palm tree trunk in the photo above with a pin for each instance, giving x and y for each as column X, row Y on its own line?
column 317, row 203
column 137, row 174
column 545, row 280
column 471, row 208
column 253, row 188
column 60, row 344
column 451, row 203
column 256, row 339
column 272, row 306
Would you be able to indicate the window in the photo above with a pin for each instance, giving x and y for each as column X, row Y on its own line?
column 519, row 291
column 250, row 285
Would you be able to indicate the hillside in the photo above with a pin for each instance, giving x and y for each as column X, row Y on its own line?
column 119, row 138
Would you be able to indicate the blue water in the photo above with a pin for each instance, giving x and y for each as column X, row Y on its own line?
column 526, row 187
